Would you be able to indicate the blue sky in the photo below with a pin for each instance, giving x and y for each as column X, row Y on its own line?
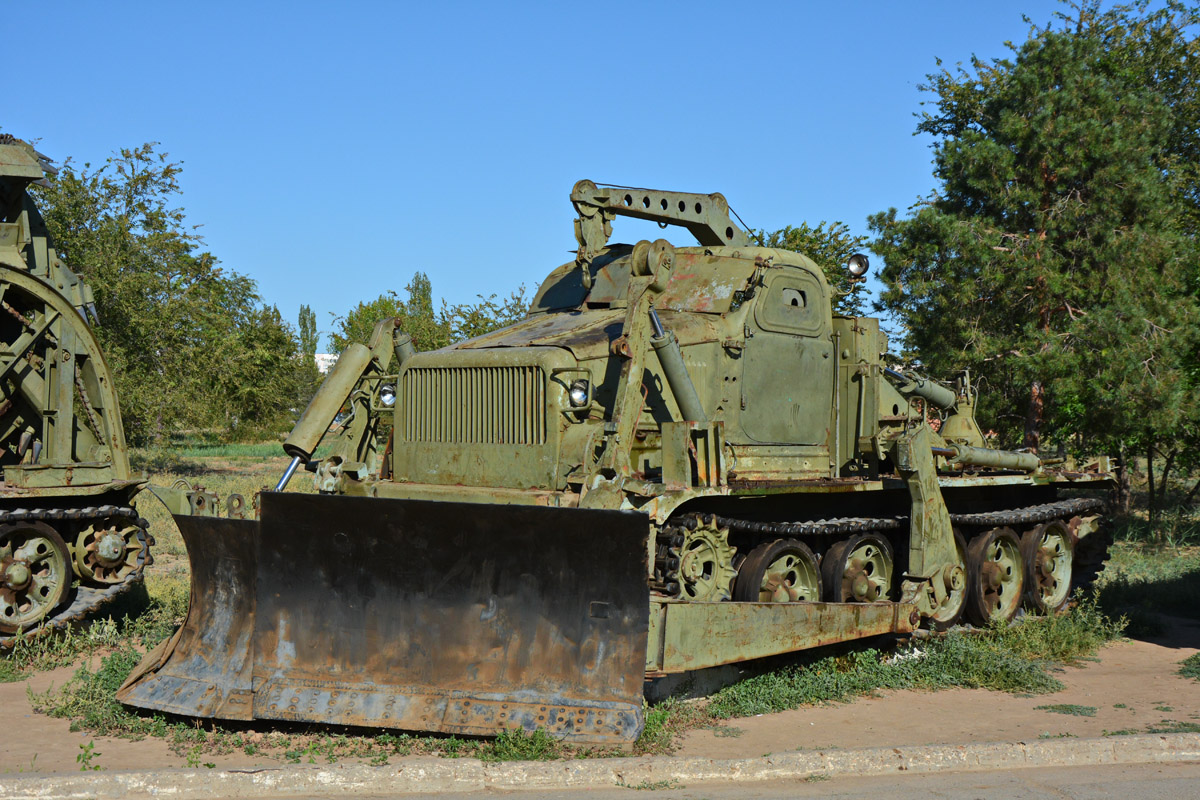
column 331, row 150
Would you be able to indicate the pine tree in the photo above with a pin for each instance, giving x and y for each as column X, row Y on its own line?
column 1058, row 255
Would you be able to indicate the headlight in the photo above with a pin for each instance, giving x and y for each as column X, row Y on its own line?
column 578, row 393
column 857, row 265
column 387, row 395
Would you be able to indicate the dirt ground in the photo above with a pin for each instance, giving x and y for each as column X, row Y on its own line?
column 1134, row 684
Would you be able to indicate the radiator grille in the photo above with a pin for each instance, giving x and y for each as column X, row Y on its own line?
column 474, row 405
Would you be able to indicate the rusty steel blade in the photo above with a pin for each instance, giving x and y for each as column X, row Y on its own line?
column 433, row 616
column 204, row 670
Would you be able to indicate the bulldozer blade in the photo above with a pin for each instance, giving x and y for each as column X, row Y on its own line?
column 204, row 670
column 414, row 615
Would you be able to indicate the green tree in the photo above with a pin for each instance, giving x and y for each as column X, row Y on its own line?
column 307, row 329
column 830, row 245
column 264, row 380
column 1058, row 254
column 486, row 314
column 430, row 329
column 416, row 315
column 179, row 331
column 310, row 377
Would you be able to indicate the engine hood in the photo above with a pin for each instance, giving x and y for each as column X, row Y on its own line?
column 587, row 334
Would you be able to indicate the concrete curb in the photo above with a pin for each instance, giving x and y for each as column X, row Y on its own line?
column 437, row 775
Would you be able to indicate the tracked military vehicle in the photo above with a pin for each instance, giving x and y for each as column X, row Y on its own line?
column 680, row 458
column 71, row 540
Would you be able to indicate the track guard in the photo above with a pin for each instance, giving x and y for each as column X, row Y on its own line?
column 415, row 615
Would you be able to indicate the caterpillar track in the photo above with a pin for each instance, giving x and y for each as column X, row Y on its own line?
column 88, row 596
column 824, row 534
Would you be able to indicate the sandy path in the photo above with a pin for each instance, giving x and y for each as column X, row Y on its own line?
column 33, row 742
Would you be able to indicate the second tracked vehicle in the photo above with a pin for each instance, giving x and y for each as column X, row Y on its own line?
column 71, row 539
column 680, row 458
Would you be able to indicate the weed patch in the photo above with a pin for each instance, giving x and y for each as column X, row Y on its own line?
column 652, row 786
column 726, row 731
column 87, row 754
column 958, row 660
column 89, row 698
column 665, row 721
column 1063, row 638
column 1173, row 726
column 518, row 745
column 1069, row 709
column 1190, row 667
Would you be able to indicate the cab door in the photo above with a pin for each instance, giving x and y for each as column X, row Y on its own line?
column 787, row 373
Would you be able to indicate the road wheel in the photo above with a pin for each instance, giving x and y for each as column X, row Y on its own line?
column 995, row 576
column 782, row 571
column 858, row 570
column 35, row 574
column 949, row 614
column 1048, row 554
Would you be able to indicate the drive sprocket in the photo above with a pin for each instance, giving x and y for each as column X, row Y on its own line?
column 695, row 560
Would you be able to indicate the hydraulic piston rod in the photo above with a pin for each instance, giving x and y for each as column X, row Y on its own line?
column 671, row 359
column 939, row 396
column 985, row 457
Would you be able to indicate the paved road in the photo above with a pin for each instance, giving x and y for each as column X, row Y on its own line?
column 1119, row 782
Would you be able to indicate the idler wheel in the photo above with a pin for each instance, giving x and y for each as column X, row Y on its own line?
column 858, row 570
column 1048, row 555
column 35, row 574
column 955, row 581
column 995, row 576
column 782, row 571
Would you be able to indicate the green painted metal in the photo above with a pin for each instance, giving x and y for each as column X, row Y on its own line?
column 666, row 347
column 710, row 391
column 24, row 241
column 1000, row 459
column 916, row 386
column 328, row 400
column 690, row 636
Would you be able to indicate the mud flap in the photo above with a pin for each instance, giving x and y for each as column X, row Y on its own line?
column 431, row 616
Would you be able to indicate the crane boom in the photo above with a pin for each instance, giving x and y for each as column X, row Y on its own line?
column 706, row 216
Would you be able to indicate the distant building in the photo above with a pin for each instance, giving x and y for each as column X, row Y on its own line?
column 325, row 361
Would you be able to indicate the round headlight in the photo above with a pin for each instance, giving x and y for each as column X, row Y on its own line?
column 387, row 395
column 578, row 393
column 857, row 265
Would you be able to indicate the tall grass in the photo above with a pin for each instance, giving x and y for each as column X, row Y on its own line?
column 1009, row 658
column 141, row 619
column 1142, row 581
